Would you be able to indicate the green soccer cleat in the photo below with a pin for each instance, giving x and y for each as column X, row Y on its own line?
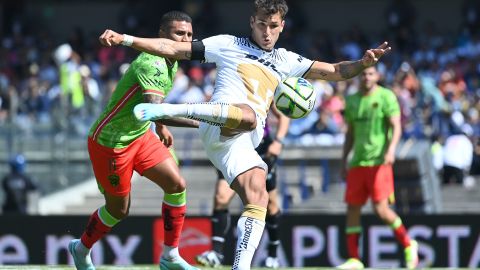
column 82, row 262
column 177, row 263
column 411, row 255
column 351, row 264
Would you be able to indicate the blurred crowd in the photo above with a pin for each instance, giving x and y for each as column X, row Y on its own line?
column 434, row 74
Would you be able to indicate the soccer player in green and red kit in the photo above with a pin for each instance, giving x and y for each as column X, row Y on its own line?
column 118, row 144
column 373, row 117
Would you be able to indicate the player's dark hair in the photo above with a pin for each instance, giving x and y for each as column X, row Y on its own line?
column 270, row 7
column 171, row 16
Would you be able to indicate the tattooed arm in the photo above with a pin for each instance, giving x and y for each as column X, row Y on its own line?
column 156, row 46
column 346, row 69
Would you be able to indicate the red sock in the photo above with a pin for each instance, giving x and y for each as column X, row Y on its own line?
column 173, row 217
column 402, row 236
column 352, row 245
column 94, row 231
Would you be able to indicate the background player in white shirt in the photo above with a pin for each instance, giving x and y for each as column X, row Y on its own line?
column 248, row 72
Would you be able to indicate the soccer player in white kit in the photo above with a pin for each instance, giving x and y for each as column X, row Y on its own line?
column 249, row 70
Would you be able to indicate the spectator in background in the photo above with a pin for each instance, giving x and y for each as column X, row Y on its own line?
column 437, row 152
column 401, row 16
column 4, row 103
column 68, row 63
column 475, row 168
column 194, row 92
column 471, row 15
column 458, row 152
column 18, row 187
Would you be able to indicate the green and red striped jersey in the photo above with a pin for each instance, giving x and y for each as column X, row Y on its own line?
column 116, row 126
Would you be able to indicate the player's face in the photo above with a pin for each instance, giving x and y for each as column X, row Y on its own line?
column 180, row 31
column 266, row 29
column 369, row 77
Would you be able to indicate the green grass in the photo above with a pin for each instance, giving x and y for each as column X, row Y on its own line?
column 155, row 267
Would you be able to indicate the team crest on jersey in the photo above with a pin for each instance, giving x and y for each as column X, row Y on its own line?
column 114, row 179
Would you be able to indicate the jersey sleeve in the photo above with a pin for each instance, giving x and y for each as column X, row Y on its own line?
column 391, row 106
column 213, row 46
column 149, row 76
column 299, row 65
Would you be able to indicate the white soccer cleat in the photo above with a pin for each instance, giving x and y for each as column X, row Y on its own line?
column 149, row 111
column 272, row 262
column 209, row 258
column 82, row 262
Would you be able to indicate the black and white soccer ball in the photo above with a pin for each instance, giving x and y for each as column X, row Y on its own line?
column 295, row 97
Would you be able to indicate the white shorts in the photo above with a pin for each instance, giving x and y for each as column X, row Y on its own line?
column 232, row 155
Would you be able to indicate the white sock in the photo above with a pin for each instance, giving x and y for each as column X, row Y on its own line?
column 212, row 113
column 249, row 232
column 170, row 252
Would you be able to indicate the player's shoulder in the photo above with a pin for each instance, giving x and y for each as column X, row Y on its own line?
column 222, row 38
column 353, row 96
column 145, row 61
column 386, row 92
column 146, row 58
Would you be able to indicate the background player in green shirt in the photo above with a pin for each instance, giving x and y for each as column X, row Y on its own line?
column 373, row 117
column 118, row 144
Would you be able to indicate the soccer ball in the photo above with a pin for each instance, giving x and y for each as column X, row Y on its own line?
column 295, row 97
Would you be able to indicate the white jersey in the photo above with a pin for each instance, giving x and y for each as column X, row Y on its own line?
column 248, row 74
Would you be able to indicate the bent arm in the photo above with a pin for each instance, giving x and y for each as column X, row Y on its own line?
column 163, row 47
column 348, row 144
column 283, row 124
column 156, row 46
column 347, row 69
column 396, row 125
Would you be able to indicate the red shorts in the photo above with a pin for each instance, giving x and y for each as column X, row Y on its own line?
column 375, row 182
column 113, row 168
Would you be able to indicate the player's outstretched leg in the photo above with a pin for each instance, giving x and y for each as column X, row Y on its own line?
column 240, row 117
column 81, row 255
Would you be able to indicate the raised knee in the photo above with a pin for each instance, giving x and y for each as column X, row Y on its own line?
column 252, row 123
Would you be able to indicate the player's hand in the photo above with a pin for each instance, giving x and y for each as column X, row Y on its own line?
column 274, row 149
column 389, row 157
column 372, row 56
column 165, row 136
column 110, row 38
